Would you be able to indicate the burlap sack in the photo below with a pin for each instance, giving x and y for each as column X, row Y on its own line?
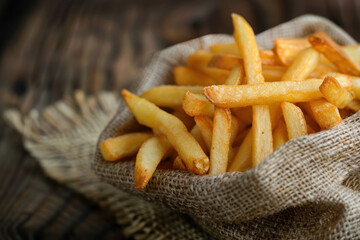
column 308, row 188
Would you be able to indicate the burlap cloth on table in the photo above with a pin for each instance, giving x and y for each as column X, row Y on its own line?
column 307, row 189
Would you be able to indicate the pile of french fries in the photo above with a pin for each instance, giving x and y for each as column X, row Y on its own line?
column 234, row 104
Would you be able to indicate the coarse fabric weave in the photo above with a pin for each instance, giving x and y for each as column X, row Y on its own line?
column 307, row 189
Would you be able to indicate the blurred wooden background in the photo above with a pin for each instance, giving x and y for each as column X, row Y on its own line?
column 51, row 48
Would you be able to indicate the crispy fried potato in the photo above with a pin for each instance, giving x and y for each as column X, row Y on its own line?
column 353, row 52
column 205, row 126
column 148, row 114
column 304, row 63
column 198, row 137
column 225, row 48
column 326, row 114
column 169, row 95
column 322, row 69
column 189, row 77
column 294, row 119
column 275, row 114
column 288, row 48
column 236, row 76
column 267, row 93
column 199, row 61
column 261, row 125
column 242, row 160
column 220, row 141
column 356, row 87
column 354, row 105
column 151, row 152
column 269, row 58
column 115, row 148
column 236, row 127
column 280, row 135
column 197, row 104
column 322, row 43
column 273, row 73
column 225, row 61
column 334, row 93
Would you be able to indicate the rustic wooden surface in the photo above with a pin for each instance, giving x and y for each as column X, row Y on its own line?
column 62, row 46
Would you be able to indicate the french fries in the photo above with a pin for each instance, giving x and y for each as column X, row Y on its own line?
column 334, row 93
column 326, row 114
column 113, row 149
column 168, row 95
column 294, row 119
column 188, row 77
column 280, row 135
column 261, row 125
column 321, row 42
column 149, row 156
column 220, row 141
column 234, row 105
column 197, row 104
column 267, row 93
column 302, row 66
column 288, row 48
column 146, row 113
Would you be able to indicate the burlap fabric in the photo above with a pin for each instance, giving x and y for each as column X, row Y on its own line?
column 308, row 188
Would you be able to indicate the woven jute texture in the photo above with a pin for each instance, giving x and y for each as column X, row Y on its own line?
column 308, row 188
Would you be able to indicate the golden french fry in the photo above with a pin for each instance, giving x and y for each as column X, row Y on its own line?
column 288, row 48
column 184, row 117
column 169, row 95
column 267, row 93
column 356, row 86
column 115, row 148
column 198, row 137
column 273, row 73
column 334, row 93
column 275, row 114
column 354, row 105
column 189, row 77
column 294, row 119
column 236, row 127
column 244, row 114
column 179, row 164
column 236, row 76
column 322, row 43
column 205, row 126
column 220, row 141
column 151, row 152
column 305, row 63
column 225, row 48
column 225, row 61
column 269, row 58
column 322, row 69
column 261, row 125
column 326, row 114
column 242, row 160
column 232, row 152
column 148, row 114
column 199, row 61
column 353, row 52
column 280, row 135
column 197, row 104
